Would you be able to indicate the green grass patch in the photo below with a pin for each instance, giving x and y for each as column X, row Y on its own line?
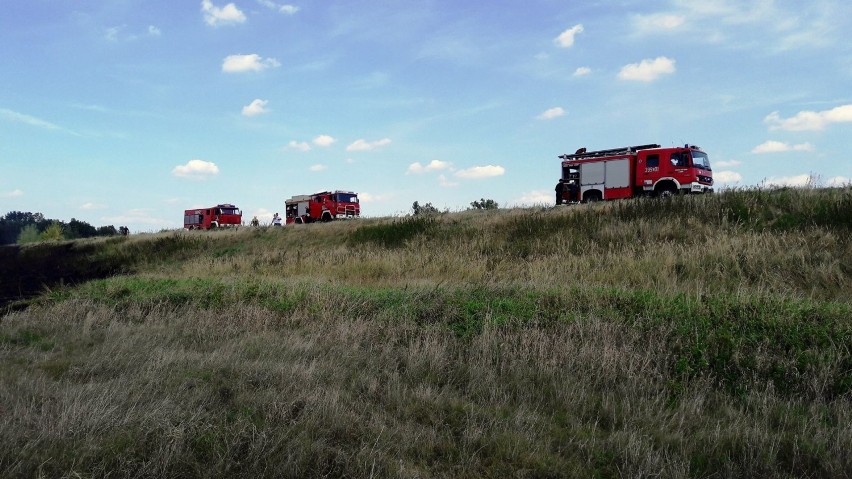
column 395, row 233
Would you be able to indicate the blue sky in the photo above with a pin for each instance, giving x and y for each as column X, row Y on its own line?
column 127, row 112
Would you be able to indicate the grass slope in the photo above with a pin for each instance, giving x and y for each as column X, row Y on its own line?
column 686, row 338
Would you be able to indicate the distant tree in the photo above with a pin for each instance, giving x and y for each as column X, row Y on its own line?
column 53, row 232
column 79, row 229
column 23, row 218
column 484, row 204
column 107, row 231
column 13, row 223
column 426, row 209
column 29, row 234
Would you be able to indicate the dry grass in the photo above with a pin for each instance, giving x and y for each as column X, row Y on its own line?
column 163, row 391
column 708, row 339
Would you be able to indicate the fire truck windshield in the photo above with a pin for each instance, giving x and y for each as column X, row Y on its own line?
column 700, row 160
column 230, row 211
column 347, row 198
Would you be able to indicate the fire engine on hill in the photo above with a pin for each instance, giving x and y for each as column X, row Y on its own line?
column 634, row 171
column 213, row 217
column 324, row 206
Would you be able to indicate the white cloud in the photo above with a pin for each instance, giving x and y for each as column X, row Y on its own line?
column 778, row 147
column 12, row 194
column 324, row 140
column 111, row 34
column 478, row 172
column 196, row 169
column 374, row 198
column 809, row 120
column 296, row 145
column 726, row 164
column 317, row 168
column 256, row 107
column 92, row 206
column 282, row 8
column 364, row 145
column 582, row 71
column 566, row 38
column 797, row 180
column 730, row 11
column 839, row 181
column 446, row 183
column 551, row 113
column 647, row 70
column 434, row 165
column 536, row 197
column 248, row 63
column 727, row 177
column 657, row 23
column 215, row 16
column 154, row 31
column 138, row 216
column 27, row 120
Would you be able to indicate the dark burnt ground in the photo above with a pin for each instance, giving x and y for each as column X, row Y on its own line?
column 28, row 271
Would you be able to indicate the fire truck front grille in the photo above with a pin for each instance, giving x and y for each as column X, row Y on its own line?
column 705, row 179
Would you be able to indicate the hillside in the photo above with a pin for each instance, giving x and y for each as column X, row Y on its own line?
column 699, row 336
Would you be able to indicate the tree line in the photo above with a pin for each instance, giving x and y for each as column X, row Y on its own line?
column 25, row 227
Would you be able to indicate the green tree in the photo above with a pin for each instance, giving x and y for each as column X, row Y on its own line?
column 53, row 232
column 484, row 204
column 29, row 234
column 79, row 229
column 426, row 209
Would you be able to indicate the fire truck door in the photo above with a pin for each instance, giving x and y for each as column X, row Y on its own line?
column 618, row 173
column 303, row 208
column 592, row 174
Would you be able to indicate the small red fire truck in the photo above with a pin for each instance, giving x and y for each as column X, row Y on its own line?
column 213, row 217
column 324, row 206
column 634, row 171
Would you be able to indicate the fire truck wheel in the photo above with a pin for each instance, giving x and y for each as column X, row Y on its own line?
column 593, row 196
column 667, row 192
column 326, row 217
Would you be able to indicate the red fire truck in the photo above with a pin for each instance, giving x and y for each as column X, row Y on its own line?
column 634, row 171
column 324, row 206
column 213, row 217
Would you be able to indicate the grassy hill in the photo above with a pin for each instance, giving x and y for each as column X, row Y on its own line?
column 687, row 338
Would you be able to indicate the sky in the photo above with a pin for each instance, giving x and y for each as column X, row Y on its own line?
column 127, row 112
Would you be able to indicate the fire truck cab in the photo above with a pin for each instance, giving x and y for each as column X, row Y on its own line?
column 323, row 206
column 645, row 170
column 212, row 217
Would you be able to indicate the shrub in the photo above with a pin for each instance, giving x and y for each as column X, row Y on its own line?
column 29, row 234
